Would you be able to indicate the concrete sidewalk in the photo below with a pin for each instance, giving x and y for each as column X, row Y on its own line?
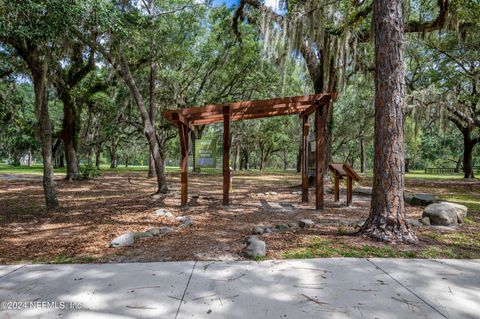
column 313, row 288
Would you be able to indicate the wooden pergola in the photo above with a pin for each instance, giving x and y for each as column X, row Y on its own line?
column 186, row 119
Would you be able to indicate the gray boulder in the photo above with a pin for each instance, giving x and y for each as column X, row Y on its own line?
column 306, row 223
column 255, row 247
column 124, row 240
column 445, row 214
column 421, row 199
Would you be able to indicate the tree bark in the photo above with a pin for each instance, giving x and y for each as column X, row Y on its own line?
column 151, row 167
column 97, row 158
column 468, row 144
column 458, row 164
column 70, row 138
column 40, row 84
column 363, row 157
column 148, row 127
column 387, row 220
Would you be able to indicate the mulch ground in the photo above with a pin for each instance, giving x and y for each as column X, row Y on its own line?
column 94, row 212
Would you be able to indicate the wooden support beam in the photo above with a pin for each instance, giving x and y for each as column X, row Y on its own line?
column 305, row 129
column 319, row 151
column 226, row 155
column 322, row 100
column 349, row 191
column 183, row 133
column 336, row 188
column 216, row 118
column 180, row 118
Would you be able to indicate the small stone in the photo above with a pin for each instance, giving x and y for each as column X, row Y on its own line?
column 255, row 247
column 163, row 213
column 166, row 230
column 258, row 230
column 143, row 234
column 273, row 193
column 292, row 225
column 186, row 223
column 296, row 193
column 425, row 221
column 267, row 230
column 182, row 219
column 414, row 222
column 260, row 194
column 124, row 240
column 154, row 231
column 281, row 227
column 158, row 196
column 306, row 223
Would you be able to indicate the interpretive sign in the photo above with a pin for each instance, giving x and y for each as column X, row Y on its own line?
column 205, row 151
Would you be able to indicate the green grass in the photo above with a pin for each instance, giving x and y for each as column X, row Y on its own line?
column 37, row 169
column 420, row 174
column 450, row 245
column 325, row 248
column 65, row 259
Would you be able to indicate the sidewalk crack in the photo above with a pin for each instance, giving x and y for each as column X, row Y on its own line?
column 11, row 272
column 408, row 289
column 185, row 291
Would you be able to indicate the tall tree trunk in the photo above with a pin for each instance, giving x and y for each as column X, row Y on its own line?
column 299, row 160
column 246, row 162
column 90, row 156
column 458, row 164
column 69, row 140
column 113, row 156
column 61, row 160
column 363, row 157
column 468, row 144
column 40, row 84
column 237, row 163
column 261, row 159
column 151, row 167
column 148, row 128
column 387, row 220
column 29, row 159
column 97, row 158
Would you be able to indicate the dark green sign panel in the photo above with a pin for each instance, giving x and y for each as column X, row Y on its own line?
column 205, row 151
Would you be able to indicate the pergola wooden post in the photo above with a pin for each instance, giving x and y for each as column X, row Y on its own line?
column 226, row 154
column 305, row 129
column 183, row 133
column 185, row 119
column 319, row 154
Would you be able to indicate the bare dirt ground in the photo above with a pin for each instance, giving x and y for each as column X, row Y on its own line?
column 94, row 212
